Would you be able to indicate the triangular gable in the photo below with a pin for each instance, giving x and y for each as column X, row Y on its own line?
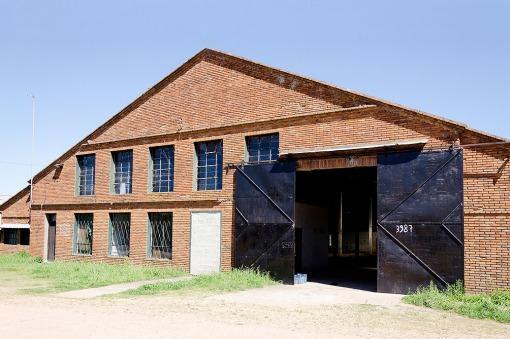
column 208, row 69
column 218, row 91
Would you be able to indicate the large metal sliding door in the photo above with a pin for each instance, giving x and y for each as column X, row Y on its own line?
column 420, row 219
column 264, row 218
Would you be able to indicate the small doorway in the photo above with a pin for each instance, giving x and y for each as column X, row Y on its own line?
column 51, row 220
column 336, row 233
column 205, row 253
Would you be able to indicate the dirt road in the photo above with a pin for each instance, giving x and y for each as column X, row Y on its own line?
column 306, row 311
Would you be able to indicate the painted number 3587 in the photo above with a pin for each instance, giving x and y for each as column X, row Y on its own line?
column 405, row 228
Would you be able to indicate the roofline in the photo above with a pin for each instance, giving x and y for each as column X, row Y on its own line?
column 383, row 102
column 187, row 64
column 14, row 198
column 133, row 105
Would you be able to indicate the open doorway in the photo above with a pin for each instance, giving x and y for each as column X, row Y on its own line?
column 336, row 233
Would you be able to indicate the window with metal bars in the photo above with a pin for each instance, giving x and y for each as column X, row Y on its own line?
column 160, row 235
column 10, row 236
column 83, row 228
column 162, row 160
column 209, row 156
column 262, row 148
column 122, row 171
column 24, row 236
column 119, row 231
column 86, row 174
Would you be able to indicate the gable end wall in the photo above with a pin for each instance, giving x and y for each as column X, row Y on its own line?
column 211, row 95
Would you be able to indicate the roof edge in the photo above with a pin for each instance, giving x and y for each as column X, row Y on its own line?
column 133, row 105
column 14, row 198
column 383, row 102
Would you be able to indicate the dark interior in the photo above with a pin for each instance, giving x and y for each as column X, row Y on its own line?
column 336, row 227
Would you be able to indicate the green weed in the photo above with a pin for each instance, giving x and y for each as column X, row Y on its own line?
column 235, row 280
column 495, row 306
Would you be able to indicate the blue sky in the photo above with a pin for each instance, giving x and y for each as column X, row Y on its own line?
column 86, row 60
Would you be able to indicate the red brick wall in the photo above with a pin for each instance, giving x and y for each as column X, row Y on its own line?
column 57, row 194
column 9, row 249
column 18, row 212
column 211, row 95
column 64, row 236
column 487, row 218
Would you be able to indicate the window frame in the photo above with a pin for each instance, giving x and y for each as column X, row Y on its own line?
column 110, row 236
column 170, row 169
column 24, row 232
column 79, row 177
column 77, row 216
column 150, row 254
column 11, row 231
column 248, row 156
column 218, row 178
column 113, row 172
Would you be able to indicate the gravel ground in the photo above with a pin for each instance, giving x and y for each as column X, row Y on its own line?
column 305, row 311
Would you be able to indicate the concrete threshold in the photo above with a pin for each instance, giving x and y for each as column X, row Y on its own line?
column 95, row 292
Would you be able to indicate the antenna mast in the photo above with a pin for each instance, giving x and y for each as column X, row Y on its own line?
column 32, row 155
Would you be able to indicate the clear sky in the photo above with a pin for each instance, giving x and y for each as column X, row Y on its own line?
column 86, row 60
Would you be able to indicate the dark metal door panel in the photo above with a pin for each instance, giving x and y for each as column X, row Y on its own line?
column 264, row 219
column 420, row 220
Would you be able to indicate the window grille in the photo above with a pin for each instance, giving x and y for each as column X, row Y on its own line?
column 209, row 165
column 160, row 235
column 162, row 169
column 263, row 148
column 120, row 225
column 122, row 171
column 24, row 236
column 83, row 227
column 10, row 236
column 86, row 174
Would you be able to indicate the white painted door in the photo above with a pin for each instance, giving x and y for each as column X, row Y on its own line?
column 205, row 242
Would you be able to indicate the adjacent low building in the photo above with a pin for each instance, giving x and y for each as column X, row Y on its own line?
column 14, row 224
column 229, row 163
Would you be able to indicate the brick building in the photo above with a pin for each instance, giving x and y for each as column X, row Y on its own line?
column 226, row 162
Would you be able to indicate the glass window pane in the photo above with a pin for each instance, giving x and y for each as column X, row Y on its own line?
column 82, row 240
column 209, row 164
column 86, row 172
column 201, row 184
column 262, row 148
column 123, row 170
column 160, row 235
column 120, row 227
column 10, row 236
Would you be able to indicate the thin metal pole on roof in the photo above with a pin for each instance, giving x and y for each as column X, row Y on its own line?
column 32, row 155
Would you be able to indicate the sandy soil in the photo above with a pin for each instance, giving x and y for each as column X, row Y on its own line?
column 306, row 311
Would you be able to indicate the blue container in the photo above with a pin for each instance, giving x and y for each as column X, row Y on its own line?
column 300, row 278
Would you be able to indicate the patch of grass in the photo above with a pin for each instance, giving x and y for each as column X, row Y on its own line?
column 494, row 306
column 65, row 276
column 235, row 280
column 21, row 258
